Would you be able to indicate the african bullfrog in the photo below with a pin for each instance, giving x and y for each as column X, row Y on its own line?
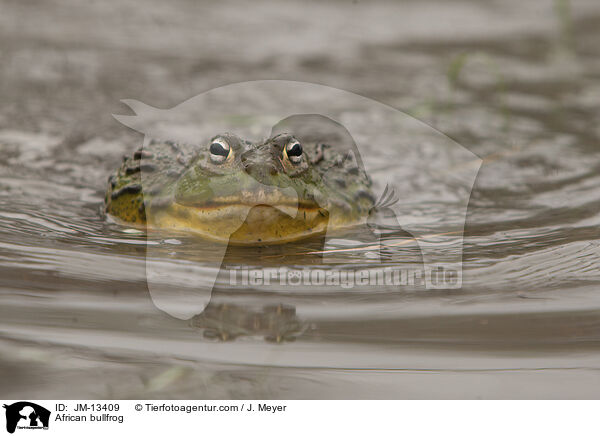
column 294, row 184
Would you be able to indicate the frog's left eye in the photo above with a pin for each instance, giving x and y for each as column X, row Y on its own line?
column 293, row 151
column 220, row 151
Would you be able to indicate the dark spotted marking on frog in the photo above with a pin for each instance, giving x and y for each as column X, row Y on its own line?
column 143, row 154
column 129, row 189
column 140, row 167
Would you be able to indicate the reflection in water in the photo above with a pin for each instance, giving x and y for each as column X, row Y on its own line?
column 227, row 322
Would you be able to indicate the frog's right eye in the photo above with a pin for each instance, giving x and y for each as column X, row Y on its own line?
column 220, row 151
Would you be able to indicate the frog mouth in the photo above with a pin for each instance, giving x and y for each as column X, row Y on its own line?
column 265, row 216
column 289, row 208
column 283, row 200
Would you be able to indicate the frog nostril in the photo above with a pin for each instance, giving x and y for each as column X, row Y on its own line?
column 249, row 167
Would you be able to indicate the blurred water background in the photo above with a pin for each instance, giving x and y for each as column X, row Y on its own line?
column 517, row 83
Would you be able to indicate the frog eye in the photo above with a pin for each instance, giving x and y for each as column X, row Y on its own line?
column 219, row 151
column 293, row 151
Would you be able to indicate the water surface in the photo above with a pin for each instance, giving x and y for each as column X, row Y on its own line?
column 517, row 84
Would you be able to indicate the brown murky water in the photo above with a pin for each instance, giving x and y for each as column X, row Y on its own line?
column 517, row 84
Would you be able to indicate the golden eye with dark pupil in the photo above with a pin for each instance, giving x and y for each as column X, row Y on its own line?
column 293, row 150
column 219, row 151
